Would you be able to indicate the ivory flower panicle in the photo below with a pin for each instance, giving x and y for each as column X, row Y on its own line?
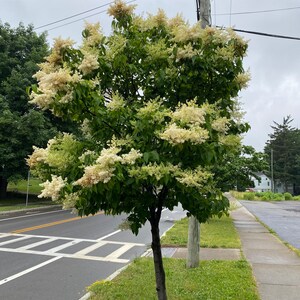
column 52, row 188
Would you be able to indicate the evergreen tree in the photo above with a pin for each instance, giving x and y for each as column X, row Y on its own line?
column 285, row 144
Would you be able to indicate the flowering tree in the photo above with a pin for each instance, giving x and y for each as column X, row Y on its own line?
column 156, row 104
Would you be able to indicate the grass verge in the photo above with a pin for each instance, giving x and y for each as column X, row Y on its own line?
column 214, row 280
column 21, row 186
column 217, row 233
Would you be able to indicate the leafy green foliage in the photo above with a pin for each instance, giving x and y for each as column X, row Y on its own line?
column 157, row 103
column 21, row 124
column 285, row 143
column 237, row 168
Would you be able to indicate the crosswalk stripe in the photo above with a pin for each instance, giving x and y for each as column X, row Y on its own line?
column 68, row 242
column 61, row 247
column 15, row 240
column 37, row 244
column 119, row 252
column 90, row 248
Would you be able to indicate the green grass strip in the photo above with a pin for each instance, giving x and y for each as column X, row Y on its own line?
column 213, row 280
column 216, row 233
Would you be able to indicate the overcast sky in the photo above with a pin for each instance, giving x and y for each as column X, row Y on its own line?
column 274, row 90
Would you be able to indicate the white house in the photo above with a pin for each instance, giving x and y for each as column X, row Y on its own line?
column 262, row 185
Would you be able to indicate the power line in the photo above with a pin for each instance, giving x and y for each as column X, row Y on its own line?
column 264, row 34
column 78, row 14
column 258, row 11
column 65, row 24
column 268, row 34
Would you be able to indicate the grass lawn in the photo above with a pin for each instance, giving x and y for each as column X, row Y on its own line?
column 214, row 280
column 21, row 186
column 17, row 201
column 217, row 233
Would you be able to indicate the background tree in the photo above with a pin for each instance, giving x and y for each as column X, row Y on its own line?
column 156, row 103
column 21, row 125
column 285, row 143
column 237, row 169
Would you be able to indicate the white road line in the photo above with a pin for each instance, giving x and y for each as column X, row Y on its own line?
column 37, row 244
column 2, row 235
column 47, row 262
column 108, row 235
column 90, row 248
column 119, row 252
column 15, row 240
column 65, row 255
column 31, row 215
column 74, row 239
column 60, row 247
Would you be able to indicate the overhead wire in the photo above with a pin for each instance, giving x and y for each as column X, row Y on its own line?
column 258, row 11
column 76, row 15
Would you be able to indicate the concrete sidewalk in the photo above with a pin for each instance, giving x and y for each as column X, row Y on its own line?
column 275, row 267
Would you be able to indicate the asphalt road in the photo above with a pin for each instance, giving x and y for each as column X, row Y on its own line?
column 56, row 255
column 282, row 216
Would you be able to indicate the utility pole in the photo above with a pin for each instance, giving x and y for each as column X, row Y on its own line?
column 203, row 15
column 272, row 171
column 204, row 12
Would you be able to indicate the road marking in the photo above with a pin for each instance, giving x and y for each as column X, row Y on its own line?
column 119, row 252
column 90, row 248
column 71, row 239
column 108, row 235
column 69, row 242
column 33, row 245
column 51, row 224
column 63, row 246
column 15, row 240
column 66, row 255
column 38, row 214
column 47, row 262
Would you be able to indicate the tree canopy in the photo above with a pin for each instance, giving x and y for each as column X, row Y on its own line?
column 156, row 101
column 20, row 125
column 239, row 167
column 285, row 143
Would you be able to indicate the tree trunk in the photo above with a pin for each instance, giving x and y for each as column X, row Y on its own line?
column 3, row 187
column 157, row 256
column 193, row 243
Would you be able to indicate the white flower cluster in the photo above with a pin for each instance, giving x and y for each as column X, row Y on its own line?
column 131, row 157
column 70, row 200
column 93, row 36
column 50, row 84
column 220, row 125
column 187, row 51
column 189, row 113
column 158, row 171
column 38, row 155
column 104, row 168
column 120, row 8
column 89, row 63
column 52, row 188
column 194, row 178
column 176, row 135
column 116, row 102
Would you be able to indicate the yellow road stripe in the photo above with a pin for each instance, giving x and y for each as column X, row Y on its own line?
column 50, row 224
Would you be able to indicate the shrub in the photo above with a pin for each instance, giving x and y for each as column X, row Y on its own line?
column 288, row 196
column 278, row 196
column 296, row 197
column 249, row 196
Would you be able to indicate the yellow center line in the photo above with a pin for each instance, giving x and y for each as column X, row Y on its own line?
column 51, row 224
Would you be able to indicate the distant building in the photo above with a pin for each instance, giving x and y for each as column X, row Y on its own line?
column 263, row 184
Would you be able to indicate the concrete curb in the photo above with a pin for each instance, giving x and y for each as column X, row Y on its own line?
column 29, row 209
